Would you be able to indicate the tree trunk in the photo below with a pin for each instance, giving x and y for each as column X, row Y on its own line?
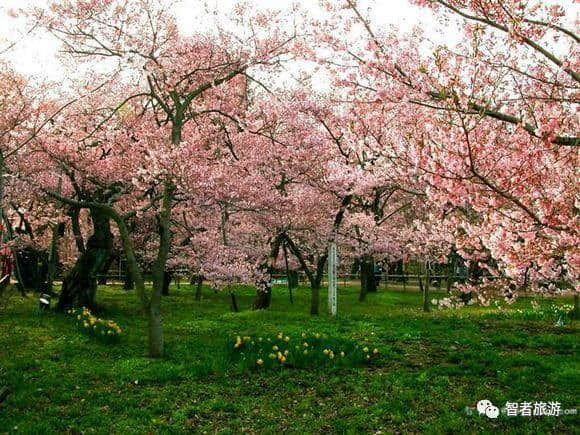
column 363, row 293
column 450, row 273
column 103, row 278
column 293, row 278
column 167, row 276
column 198, row 288
column 367, row 276
column 33, row 269
column 128, row 284
column 74, row 215
column 315, row 300
column 315, row 283
column 264, row 294
column 399, row 270
column 57, row 232
column 291, row 275
column 426, row 306
column 235, row 306
column 79, row 287
column 156, row 347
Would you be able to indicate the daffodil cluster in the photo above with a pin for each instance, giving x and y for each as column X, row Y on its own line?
column 306, row 350
column 552, row 312
column 104, row 330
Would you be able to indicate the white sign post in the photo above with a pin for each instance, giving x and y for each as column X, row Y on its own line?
column 332, row 267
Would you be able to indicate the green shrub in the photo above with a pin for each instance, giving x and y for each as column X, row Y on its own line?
column 304, row 351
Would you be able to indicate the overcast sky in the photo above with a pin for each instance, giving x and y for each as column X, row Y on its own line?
column 36, row 54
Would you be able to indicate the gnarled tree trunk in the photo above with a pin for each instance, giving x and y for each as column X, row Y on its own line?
column 79, row 287
column 264, row 293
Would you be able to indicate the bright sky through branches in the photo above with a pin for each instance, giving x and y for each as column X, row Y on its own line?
column 37, row 54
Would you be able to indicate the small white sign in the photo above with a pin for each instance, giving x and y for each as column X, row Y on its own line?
column 332, row 268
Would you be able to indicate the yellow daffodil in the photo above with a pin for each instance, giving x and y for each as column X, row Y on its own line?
column 325, row 351
column 375, row 351
column 274, row 348
column 331, row 354
column 286, row 339
column 303, row 335
column 280, row 336
column 272, row 356
column 305, row 351
column 260, row 361
column 286, row 352
column 342, row 354
column 317, row 335
column 365, row 349
column 283, row 359
column 305, row 344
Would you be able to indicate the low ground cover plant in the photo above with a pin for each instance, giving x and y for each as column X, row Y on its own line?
column 306, row 350
column 107, row 331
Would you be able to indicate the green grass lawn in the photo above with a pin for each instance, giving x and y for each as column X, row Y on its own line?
column 430, row 368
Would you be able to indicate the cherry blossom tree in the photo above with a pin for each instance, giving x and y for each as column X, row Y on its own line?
column 492, row 126
column 181, row 83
